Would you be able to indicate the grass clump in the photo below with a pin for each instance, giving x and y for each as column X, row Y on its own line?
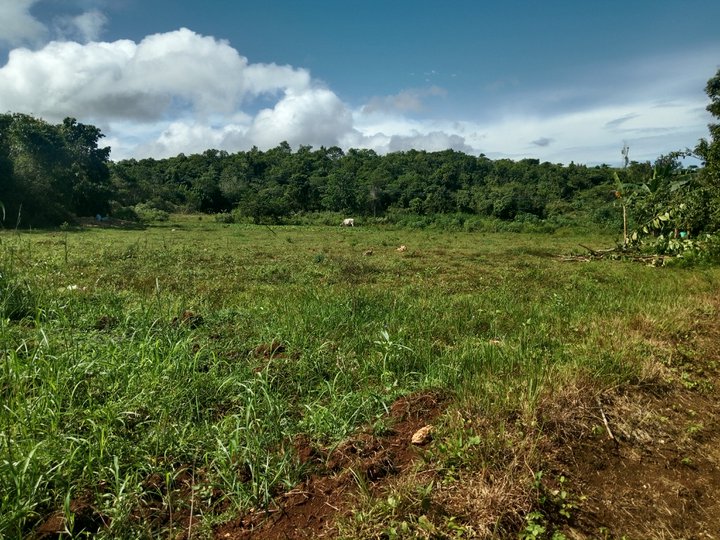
column 17, row 299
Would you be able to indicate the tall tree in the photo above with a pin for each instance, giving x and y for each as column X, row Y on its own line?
column 709, row 152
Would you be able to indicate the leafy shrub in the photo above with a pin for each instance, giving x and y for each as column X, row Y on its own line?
column 126, row 213
column 687, row 252
column 224, row 217
column 148, row 213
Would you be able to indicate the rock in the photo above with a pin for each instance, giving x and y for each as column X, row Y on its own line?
column 422, row 435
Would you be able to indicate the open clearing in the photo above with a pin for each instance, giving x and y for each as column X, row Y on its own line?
column 203, row 380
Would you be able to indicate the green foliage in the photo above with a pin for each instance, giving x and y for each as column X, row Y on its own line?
column 281, row 186
column 52, row 172
column 555, row 507
column 709, row 152
column 148, row 213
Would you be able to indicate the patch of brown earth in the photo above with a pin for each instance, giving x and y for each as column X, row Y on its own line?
column 662, row 479
column 658, row 477
column 309, row 510
column 274, row 349
column 189, row 319
column 86, row 520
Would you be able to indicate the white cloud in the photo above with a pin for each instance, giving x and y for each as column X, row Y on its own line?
column 314, row 116
column 163, row 76
column 17, row 25
column 191, row 137
column 183, row 92
column 189, row 92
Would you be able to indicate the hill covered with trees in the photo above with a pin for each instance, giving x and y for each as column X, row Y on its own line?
column 53, row 173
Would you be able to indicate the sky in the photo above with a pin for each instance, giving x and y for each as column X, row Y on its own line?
column 557, row 80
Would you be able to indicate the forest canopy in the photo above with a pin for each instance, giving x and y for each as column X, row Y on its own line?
column 51, row 174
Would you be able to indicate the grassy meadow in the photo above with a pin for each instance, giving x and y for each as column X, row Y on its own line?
column 134, row 360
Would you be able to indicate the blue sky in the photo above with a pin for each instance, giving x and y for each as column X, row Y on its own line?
column 560, row 81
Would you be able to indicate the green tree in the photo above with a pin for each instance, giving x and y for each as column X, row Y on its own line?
column 709, row 152
column 90, row 175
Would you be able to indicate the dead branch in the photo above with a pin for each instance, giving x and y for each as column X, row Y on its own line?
column 605, row 421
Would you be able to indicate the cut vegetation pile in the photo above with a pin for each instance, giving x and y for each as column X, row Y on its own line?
column 204, row 380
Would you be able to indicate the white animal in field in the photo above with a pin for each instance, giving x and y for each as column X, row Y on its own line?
column 348, row 222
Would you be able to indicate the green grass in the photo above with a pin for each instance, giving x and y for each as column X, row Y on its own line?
column 105, row 383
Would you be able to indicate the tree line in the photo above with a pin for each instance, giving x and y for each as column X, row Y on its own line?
column 280, row 182
column 52, row 173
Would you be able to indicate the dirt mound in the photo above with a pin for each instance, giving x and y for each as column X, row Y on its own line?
column 308, row 510
column 87, row 520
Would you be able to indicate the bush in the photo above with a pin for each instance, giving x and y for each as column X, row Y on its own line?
column 148, row 213
column 126, row 213
column 224, row 217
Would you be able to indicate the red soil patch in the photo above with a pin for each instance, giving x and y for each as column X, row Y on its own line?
column 308, row 510
column 87, row 520
column 661, row 479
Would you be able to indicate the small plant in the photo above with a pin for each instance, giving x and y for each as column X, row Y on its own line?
column 555, row 507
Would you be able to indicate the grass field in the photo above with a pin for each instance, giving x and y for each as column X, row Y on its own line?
column 155, row 383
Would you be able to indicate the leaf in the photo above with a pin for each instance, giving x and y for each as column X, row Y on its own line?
column 677, row 185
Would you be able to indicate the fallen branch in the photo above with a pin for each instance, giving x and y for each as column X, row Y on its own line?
column 605, row 421
column 598, row 252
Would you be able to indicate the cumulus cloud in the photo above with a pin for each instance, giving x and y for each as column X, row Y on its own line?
column 190, row 92
column 144, row 81
column 17, row 25
column 190, row 137
column 315, row 116
column 431, row 141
